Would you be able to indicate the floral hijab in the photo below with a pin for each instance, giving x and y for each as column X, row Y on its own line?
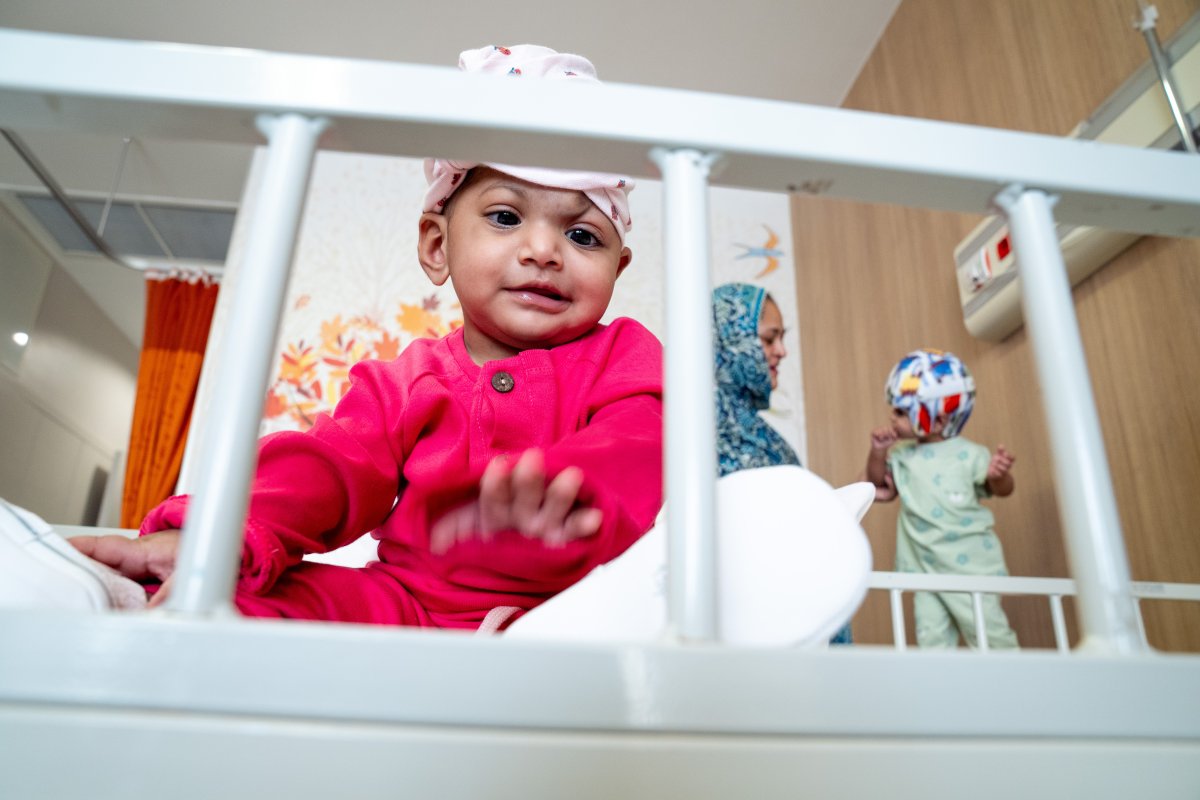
column 744, row 440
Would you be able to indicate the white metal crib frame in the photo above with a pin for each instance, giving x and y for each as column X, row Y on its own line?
column 198, row 702
column 1053, row 589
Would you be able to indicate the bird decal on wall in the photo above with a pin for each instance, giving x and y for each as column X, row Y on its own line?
column 767, row 250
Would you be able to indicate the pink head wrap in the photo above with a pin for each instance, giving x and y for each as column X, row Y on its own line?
column 610, row 193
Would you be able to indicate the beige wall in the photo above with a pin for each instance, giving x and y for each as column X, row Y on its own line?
column 877, row 281
column 66, row 404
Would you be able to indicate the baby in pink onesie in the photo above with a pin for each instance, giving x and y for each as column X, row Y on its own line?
column 497, row 465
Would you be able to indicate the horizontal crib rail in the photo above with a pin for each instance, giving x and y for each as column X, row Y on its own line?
column 1018, row 585
column 1053, row 589
column 215, row 93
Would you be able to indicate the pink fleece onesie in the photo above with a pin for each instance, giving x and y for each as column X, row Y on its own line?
column 416, row 433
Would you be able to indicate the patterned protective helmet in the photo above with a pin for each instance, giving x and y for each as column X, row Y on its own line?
column 928, row 383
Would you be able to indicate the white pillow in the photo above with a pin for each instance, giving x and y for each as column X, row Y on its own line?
column 792, row 568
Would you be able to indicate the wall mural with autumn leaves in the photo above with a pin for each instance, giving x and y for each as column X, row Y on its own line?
column 313, row 370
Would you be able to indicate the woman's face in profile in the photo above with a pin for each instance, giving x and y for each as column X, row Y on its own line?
column 770, row 333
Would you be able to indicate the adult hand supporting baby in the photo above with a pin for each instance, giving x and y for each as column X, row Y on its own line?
column 519, row 497
column 150, row 557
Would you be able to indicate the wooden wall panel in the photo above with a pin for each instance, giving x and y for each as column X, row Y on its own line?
column 876, row 281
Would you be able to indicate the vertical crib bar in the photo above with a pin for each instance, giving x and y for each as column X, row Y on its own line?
column 691, row 461
column 981, row 640
column 899, row 639
column 210, row 552
column 1060, row 624
column 1162, row 65
column 1141, row 621
column 1084, row 486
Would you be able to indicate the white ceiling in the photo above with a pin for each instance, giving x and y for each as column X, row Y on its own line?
column 807, row 51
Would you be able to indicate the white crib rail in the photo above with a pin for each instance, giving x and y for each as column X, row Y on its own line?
column 191, row 92
column 1053, row 589
column 217, row 93
column 209, row 555
column 690, row 436
column 1107, row 617
column 400, row 705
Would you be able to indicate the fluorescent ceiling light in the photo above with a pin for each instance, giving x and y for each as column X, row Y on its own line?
column 139, row 228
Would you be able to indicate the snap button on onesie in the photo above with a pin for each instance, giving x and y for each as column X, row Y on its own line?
column 502, row 382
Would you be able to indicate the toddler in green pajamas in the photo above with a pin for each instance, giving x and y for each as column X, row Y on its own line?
column 940, row 478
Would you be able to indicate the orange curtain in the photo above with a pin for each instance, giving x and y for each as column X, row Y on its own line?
column 178, row 316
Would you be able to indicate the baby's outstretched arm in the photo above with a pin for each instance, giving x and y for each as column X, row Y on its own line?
column 519, row 497
column 150, row 557
column 999, row 478
column 877, row 471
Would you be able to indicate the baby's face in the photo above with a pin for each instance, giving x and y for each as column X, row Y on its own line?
column 533, row 267
column 902, row 425
column 903, row 428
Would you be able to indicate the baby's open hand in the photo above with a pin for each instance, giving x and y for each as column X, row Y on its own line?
column 518, row 497
column 150, row 557
column 1000, row 464
column 883, row 438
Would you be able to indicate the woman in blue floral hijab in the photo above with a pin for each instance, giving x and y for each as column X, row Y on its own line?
column 748, row 344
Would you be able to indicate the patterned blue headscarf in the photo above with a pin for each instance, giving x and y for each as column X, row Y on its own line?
column 744, row 440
